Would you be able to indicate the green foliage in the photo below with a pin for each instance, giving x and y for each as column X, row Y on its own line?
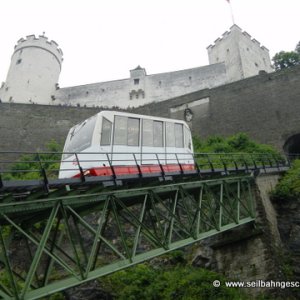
column 283, row 60
column 288, row 187
column 29, row 165
column 298, row 48
column 243, row 152
column 181, row 282
column 237, row 143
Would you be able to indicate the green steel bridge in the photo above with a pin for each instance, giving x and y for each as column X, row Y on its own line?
column 59, row 233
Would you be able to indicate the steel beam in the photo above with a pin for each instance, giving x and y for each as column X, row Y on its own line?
column 80, row 237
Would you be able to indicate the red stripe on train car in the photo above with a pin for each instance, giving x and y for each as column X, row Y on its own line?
column 127, row 170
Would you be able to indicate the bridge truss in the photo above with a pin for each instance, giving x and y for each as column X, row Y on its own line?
column 76, row 235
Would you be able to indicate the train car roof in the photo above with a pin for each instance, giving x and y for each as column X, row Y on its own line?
column 122, row 113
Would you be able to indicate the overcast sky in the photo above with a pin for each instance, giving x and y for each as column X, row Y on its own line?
column 103, row 39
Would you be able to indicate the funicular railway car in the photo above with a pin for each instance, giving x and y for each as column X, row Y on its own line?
column 119, row 143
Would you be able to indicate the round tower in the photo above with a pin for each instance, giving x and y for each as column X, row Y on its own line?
column 34, row 72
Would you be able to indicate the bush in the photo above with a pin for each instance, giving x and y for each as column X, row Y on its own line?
column 288, row 187
column 181, row 282
column 29, row 165
column 239, row 142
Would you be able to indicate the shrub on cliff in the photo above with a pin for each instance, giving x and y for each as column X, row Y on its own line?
column 239, row 142
column 29, row 165
column 288, row 187
column 180, row 282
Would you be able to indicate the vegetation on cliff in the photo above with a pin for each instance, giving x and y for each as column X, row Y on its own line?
column 288, row 187
column 29, row 165
column 237, row 143
column 174, row 279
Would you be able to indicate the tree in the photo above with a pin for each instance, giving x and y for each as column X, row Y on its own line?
column 298, row 48
column 283, row 60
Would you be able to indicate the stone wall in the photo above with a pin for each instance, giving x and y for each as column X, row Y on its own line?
column 255, row 251
column 146, row 89
column 266, row 107
column 26, row 127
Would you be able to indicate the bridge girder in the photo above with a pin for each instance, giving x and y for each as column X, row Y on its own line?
column 48, row 245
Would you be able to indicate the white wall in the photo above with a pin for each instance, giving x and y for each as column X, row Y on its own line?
column 156, row 88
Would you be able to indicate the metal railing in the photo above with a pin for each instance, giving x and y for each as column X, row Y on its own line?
column 48, row 165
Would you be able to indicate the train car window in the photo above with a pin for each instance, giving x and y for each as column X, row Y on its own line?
column 120, row 134
column 81, row 137
column 148, row 133
column 178, row 135
column 187, row 138
column 105, row 132
column 133, row 132
column 170, row 134
column 158, row 138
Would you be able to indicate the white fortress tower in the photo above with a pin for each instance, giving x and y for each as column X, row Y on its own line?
column 243, row 56
column 34, row 72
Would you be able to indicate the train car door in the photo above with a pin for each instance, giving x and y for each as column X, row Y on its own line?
column 153, row 149
column 126, row 141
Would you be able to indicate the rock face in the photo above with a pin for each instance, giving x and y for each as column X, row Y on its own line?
column 258, row 251
column 289, row 228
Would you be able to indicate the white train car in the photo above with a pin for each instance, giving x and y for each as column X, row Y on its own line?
column 119, row 143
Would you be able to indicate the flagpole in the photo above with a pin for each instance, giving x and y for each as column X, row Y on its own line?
column 231, row 11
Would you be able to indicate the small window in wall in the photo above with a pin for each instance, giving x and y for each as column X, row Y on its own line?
column 256, row 64
column 178, row 135
column 136, row 81
column 105, row 132
column 170, row 134
column 19, row 61
column 147, row 133
column 120, row 135
column 158, row 137
column 133, row 132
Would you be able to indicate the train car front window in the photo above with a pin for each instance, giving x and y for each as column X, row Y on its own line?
column 81, row 137
column 105, row 132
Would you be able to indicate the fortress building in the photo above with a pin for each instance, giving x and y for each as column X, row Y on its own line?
column 36, row 65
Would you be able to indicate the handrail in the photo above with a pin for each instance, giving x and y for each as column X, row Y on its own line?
column 46, row 165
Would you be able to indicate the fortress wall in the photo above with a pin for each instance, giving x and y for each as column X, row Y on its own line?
column 186, row 81
column 266, row 107
column 156, row 88
column 96, row 94
column 25, row 127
